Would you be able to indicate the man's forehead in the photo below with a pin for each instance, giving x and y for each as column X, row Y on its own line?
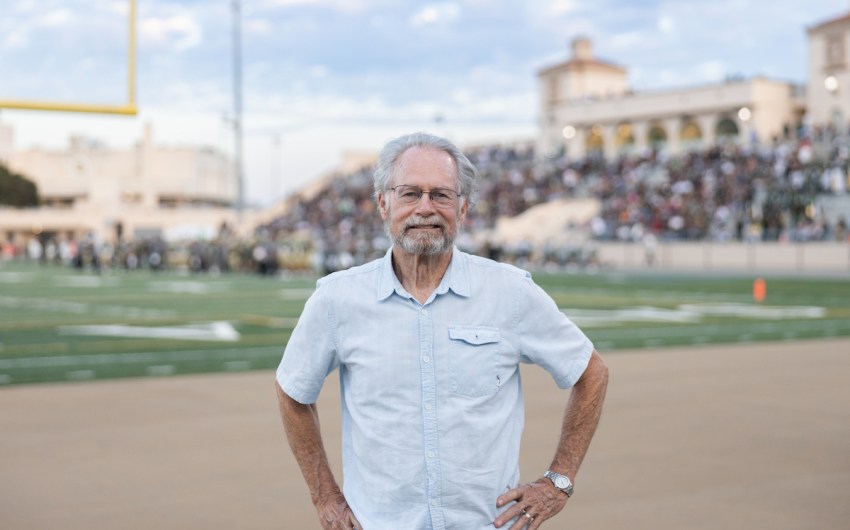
column 425, row 161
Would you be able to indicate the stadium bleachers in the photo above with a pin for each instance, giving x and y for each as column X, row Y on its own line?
column 782, row 192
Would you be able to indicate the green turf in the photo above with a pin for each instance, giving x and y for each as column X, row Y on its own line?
column 43, row 309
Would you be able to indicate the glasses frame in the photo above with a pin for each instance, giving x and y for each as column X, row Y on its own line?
column 452, row 200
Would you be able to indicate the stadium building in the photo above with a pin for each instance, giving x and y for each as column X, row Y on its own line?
column 828, row 88
column 144, row 190
column 587, row 107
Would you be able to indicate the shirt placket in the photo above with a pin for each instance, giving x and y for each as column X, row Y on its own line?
column 429, row 417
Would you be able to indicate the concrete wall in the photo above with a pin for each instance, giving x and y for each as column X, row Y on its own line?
column 831, row 257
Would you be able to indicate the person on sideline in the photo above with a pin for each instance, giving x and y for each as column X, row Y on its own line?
column 428, row 342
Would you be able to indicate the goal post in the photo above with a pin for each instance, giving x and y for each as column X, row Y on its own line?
column 128, row 109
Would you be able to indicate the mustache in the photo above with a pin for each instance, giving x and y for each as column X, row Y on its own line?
column 420, row 221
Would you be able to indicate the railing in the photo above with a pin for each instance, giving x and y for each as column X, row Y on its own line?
column 733, row 256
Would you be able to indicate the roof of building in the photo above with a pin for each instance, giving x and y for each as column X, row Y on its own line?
column 843, row 20
column 582, row 59
column 582, row 64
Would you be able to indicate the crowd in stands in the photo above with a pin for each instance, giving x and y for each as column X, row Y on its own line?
column 725, row 193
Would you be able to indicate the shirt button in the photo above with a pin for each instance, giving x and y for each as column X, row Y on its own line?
column 425, row 312
column 426, row 359
column 427, row 406
column 430, row 454
column 434, row 502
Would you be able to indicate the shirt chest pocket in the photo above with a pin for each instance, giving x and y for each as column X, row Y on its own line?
column 473, row 353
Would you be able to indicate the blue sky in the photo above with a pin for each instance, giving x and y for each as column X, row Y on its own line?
column 323, row 76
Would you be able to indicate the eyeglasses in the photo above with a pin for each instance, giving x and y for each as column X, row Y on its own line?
column 411, row 195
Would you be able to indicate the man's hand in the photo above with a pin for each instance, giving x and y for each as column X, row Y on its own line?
column 535, row 502
column 335, row 514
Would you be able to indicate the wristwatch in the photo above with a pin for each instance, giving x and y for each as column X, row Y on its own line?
column 562, row 482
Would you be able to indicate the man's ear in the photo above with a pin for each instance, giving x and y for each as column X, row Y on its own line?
column 464, row 208
column 382, row 205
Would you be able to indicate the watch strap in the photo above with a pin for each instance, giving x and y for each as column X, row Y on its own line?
column 561, row 482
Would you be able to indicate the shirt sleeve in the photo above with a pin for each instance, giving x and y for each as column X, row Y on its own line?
column 311, row 353
column 548, row 338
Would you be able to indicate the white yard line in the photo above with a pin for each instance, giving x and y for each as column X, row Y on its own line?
column 153, row 358
column 79, row 308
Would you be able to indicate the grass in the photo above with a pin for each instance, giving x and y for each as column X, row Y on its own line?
column 48, row 317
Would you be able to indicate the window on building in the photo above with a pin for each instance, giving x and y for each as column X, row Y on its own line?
column 690, row 131
column 835, row 56
column 624, row 135
column 131, row 198
column 656, row 136
column 595, row 142
column 553, row 88
column 727, row 129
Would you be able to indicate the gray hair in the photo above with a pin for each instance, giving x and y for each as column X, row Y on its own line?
column 466, row 172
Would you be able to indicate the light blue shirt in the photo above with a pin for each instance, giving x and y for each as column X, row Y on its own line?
column 432, row 407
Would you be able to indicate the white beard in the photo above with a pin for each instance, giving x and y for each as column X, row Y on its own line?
column 426, row 243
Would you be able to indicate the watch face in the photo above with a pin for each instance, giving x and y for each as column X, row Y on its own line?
column 562, row 482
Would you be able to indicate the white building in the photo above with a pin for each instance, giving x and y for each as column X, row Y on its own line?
column 586, row 104
column 587, row 107
column 828, row 91
column 143, row 190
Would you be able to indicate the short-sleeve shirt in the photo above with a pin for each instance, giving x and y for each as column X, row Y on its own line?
column 432, row 407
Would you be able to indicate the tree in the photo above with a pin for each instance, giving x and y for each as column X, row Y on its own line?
column 17, row 190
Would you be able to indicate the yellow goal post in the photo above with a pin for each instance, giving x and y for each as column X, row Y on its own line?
column 128, row 109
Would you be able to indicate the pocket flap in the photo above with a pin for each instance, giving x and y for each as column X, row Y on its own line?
column 474, row 334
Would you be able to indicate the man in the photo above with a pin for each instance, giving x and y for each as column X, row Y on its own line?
column 428, row 342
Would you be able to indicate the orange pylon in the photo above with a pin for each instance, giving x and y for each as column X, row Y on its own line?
column 759, row 290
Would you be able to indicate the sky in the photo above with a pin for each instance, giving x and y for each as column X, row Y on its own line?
column 324, row 77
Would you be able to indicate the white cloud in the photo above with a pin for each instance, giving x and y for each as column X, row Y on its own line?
column 435, row 14
column 319, row 71
column 712, row 70
column 175, row 33
column 25, row 5
column 117, row 7
column 56, row 18
column 561, row 7
column 627, row 40
column 17, row 39
column 258, row 26
column 88, row 64
column 266, row 4
column 666, row 24
column 345, row 6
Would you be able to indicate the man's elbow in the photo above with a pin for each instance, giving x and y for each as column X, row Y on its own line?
column 596, row 371
column 278, row 390
column 286, row 402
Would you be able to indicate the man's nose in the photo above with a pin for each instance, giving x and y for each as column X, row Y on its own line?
column 425, row 203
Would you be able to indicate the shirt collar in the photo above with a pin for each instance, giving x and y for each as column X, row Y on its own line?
column 455, row 279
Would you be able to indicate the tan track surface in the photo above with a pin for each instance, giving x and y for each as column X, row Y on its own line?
column 724, row 437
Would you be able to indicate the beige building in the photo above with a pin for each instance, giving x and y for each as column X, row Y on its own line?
column 828, row 94
column 587, row 107
column 143, row 190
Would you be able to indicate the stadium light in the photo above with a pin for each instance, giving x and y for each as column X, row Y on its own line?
column 744, row 114
column 237, row 108
column 831, row 84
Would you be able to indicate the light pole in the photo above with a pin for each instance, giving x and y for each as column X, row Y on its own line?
column 237, row 109
column 275, row 168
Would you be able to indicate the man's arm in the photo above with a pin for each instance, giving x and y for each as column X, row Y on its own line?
column 301, row 423
column 540, row 500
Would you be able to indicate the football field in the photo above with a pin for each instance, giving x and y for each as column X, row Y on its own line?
column 709, row 421
column 61, row 324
